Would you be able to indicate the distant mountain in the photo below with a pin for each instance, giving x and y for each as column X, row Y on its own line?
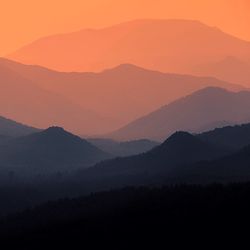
column 51, row 150
column 229, row 69
column 179, row 46
column 233, row 137
column 179, row 149
column 23, row 100
column 204, row 107
column 120, row 95
column 123, row 148
column 12, row 128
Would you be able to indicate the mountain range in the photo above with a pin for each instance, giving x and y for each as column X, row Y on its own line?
column 232, row 168
column 231, row 137
column 156, row 166
column 180, row 46
column 183, row 158
column 203, row 110
column 148, row 119
column 23, row 100
column 54, row 164
column 91, row 103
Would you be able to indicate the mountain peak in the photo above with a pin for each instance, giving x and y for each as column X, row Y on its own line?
column 124, row 68
column 212, row 92
column 183, row 145
column 55, row 133
column 179, row 137
column 173, row 21
column 55, row 129
column 179, row 141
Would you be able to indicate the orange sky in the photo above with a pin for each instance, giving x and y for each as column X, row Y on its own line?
column 22, row 21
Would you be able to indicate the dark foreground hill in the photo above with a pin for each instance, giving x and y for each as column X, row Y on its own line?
column 182, row 158
column 48, row 153
column 234, row 167
column 233, row 137
column 152, row 167
column 159, row 216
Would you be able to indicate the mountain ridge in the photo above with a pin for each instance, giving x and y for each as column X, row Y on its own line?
column 206, row 106
column 113, row 97
column 142, row 43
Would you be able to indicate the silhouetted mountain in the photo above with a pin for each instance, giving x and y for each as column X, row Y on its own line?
column 204, row 107
column 233, row 137
column 214, row 125
column 122, row 94
column 51, row 165
column 22, row 100
column 182, row 158
column 51, row 150
column 12, row 128
column 140, row 42
column 154, row 166
column 232, row 168
column 123, row 148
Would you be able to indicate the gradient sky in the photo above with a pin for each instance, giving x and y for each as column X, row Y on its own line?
column 26, row 20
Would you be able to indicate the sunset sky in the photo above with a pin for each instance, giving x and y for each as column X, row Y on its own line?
column 26, row 20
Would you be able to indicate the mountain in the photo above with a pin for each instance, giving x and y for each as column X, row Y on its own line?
column 120, row 95
column 232, row 137
column 23, row 100
column 13, row 129
column 204, row 107
column 51, row 150
column 123, row 148
column 4, row 138
column 151, row 167
column 232, row 168
column 229, row 69
column 166, row 45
